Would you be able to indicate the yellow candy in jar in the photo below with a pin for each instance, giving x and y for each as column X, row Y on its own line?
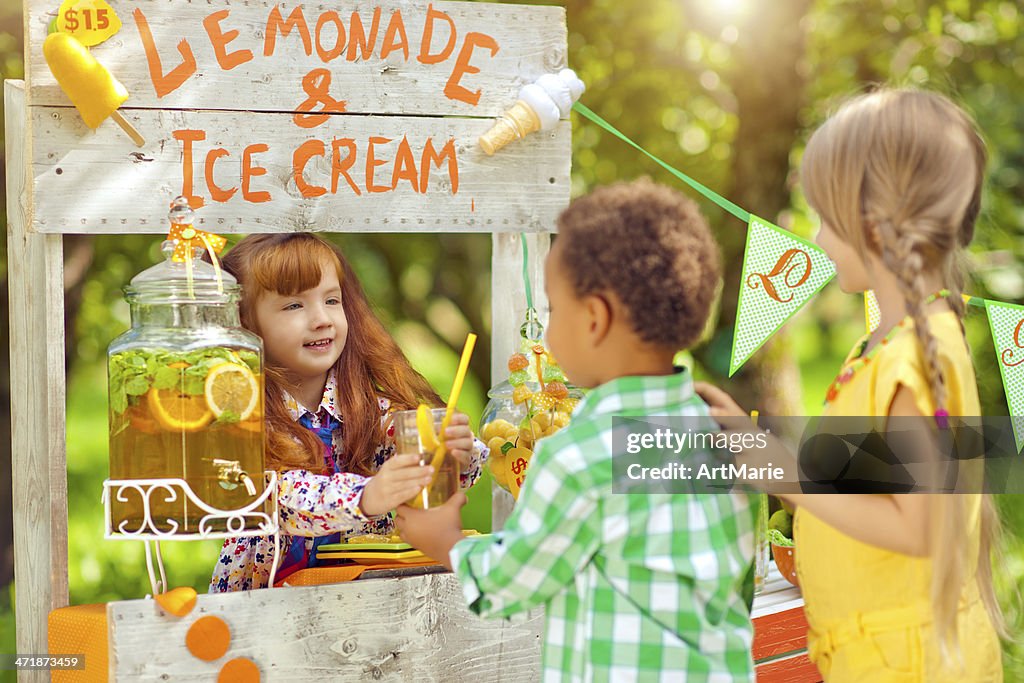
column 498, row 427
column 499, row 470
column 495, row 443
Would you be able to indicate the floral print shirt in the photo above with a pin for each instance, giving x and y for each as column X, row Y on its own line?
column 312, row 504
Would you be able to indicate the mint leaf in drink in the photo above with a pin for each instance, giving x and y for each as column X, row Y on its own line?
column 229, row 417
column 167, row 378
column 137, row 385
column 194, row 386
column 119, row 400
column 251, row 359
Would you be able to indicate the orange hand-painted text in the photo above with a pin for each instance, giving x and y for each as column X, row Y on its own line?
column 332, row 39
column 1007, row 355
column 373, row 165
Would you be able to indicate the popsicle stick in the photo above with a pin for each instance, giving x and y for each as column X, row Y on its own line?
column 453, row 399
column 128, row 128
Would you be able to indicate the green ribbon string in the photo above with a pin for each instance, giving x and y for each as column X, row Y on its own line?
column 709, row 193
column 526, row 273
column 718, row 199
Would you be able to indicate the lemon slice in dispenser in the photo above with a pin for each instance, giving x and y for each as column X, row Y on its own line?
column 232, row 387
column 425, row 426
column 178, row 412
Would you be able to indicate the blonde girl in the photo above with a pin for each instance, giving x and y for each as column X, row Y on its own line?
column 898, row 588
column 333, row 376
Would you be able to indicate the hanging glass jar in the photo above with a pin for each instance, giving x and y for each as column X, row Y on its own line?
column 535, row 401
column 185, row 394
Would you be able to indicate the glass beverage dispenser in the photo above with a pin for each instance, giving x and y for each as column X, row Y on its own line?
column 185, row 395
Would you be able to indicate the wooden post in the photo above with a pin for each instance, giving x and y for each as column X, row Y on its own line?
column 508, row 308
column 35, row 274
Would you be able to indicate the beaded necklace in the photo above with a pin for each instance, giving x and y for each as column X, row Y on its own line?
column 859, row 359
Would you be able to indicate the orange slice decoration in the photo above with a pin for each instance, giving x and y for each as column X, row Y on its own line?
column 178, row 602
column 239, row 670
column 209, row 638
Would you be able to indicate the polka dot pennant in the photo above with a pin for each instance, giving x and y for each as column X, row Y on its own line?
column 1007, row 324
column 781, row 272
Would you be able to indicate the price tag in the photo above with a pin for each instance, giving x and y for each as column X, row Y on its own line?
column 517, row 462
column 90, row 21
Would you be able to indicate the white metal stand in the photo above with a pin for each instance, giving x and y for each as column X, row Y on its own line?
column 236, row 520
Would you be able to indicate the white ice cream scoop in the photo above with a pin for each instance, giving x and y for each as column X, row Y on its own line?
column 540, row 106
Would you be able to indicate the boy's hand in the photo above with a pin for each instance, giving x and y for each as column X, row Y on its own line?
column 434, row 532
column 400, row 478
column 458, row 438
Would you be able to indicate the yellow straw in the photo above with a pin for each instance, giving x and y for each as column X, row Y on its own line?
column 753, row 416
column 453, row 399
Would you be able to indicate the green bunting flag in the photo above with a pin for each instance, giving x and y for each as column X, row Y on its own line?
column 1007, row 324
column 781, row 272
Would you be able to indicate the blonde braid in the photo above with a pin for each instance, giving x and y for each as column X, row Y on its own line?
column 902, row 255
column 953, row 277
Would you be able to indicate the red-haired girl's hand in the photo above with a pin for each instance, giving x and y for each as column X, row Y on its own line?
column 459, row 439
column 399, row 479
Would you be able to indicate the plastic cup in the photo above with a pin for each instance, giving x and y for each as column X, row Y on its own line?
column 407, row 441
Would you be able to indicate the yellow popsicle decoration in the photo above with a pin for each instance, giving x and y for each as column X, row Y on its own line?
column 87, row 83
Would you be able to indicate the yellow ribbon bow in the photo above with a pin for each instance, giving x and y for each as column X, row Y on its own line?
column 185, row 238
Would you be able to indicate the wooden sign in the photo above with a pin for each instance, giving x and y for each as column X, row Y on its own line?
column 282, row 117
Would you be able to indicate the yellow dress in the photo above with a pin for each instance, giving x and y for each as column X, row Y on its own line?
column 869, row 609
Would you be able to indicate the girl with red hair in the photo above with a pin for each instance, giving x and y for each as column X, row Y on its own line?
column 333, row 375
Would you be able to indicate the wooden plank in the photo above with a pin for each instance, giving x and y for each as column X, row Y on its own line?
column 409, row 629
column 442, row 180
column 780, row 626
column 39, row 477
column 529, row 41
column 795, row 669
column 780, row 633
column 508, row 310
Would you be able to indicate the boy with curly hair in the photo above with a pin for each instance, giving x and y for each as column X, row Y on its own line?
column 636, row 587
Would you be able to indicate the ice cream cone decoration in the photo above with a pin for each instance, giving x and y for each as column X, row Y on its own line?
column 87, row 83
column 539, row 107
column 518, row 122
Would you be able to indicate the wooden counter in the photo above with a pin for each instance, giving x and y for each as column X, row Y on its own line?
column 395, row 625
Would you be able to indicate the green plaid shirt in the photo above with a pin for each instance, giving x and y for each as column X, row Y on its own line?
column 636, row 587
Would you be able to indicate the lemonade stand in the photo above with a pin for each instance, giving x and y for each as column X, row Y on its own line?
column 265, row 118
